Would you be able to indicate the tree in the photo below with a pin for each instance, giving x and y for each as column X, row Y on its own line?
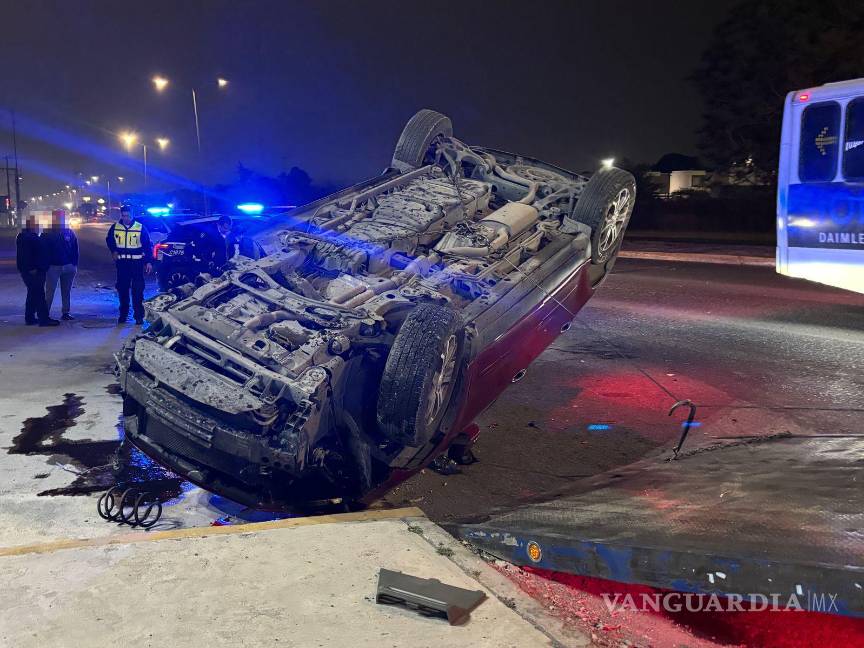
column 764, row 49
column 296, row 186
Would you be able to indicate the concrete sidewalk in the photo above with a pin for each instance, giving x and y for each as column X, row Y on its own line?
column 296, row 582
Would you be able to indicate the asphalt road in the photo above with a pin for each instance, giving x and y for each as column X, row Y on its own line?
column 756, row 352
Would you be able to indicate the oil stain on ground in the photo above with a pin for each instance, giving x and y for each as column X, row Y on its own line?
column 97, row 464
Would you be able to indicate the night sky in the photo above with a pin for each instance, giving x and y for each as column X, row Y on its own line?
column 328, row 85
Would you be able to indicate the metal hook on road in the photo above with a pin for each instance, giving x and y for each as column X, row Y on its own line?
column 687, row 425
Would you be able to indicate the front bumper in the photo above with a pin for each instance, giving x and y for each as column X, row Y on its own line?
column 217, row 456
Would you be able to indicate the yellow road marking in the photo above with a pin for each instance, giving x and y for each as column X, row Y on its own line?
column 204, row 532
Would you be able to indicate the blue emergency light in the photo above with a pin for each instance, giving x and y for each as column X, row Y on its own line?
column 253, row 209
column 158, row 211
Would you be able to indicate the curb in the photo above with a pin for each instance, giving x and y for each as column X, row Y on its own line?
column 505, row 590
column 692, row 257
column 204, row 532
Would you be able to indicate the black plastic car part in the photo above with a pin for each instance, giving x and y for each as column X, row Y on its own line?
column 429, row 596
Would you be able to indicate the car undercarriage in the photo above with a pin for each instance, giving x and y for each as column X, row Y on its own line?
column 349, row 356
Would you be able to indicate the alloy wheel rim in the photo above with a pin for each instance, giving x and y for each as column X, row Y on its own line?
column 613, row 223
column 442, row 380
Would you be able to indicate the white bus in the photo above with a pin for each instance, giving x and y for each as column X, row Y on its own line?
column 820, row 186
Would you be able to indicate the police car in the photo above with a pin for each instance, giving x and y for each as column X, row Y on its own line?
column 183, row 245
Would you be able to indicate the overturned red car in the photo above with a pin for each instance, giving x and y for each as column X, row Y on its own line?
column 382, row 320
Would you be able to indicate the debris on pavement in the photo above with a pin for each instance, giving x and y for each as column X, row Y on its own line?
column 429, row 596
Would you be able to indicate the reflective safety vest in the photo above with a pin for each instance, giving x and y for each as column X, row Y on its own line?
column 128, row 240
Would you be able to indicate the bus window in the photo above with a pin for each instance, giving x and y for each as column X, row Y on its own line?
column 853, row 141
column 820, row 127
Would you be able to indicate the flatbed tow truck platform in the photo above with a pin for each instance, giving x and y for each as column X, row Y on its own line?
column 778, row 516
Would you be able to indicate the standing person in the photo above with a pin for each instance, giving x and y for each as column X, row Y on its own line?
column 130, row 246
column 60, row 249
column 229, row 243
column 32, row 267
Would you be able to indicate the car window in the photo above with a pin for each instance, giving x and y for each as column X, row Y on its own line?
column 820, row 129
column 853, row 141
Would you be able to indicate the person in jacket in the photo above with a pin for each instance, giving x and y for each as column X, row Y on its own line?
column 231, row 242
column 59, row 245
column 130, row 246
column 32, row 267
column 212, row 248
column 228, row 243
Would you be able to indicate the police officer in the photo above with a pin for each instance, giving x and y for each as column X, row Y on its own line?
column 32, row 265
column 130, row 246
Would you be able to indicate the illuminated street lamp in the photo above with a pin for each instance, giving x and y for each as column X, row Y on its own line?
column 129, row 139
column 160, row 83
column 162, row 142
column 94, row 178
column 608, row 163
column 221, row 82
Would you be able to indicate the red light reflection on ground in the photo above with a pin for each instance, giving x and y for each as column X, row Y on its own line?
column 578, row 602
column 630, row 398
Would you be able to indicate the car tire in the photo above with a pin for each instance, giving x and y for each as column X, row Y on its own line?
column 419, row 375
column 416, row 138
column 605, row 206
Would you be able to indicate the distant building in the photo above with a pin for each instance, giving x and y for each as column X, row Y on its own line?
column 675, row 172
column 670, row 183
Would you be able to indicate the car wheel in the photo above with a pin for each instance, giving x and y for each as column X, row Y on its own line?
column 417, row 137
column 605, row 206
column 420, row 374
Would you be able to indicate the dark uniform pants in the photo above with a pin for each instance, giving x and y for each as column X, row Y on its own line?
column 35, row 307
column 130, row 278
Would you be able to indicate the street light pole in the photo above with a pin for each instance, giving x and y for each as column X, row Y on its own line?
column 17, row 173
column 145, row 164
column 197, row 126
column 8, row 194
column 200, row 156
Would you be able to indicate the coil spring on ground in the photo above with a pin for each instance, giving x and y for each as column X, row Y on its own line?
column 139, row 504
